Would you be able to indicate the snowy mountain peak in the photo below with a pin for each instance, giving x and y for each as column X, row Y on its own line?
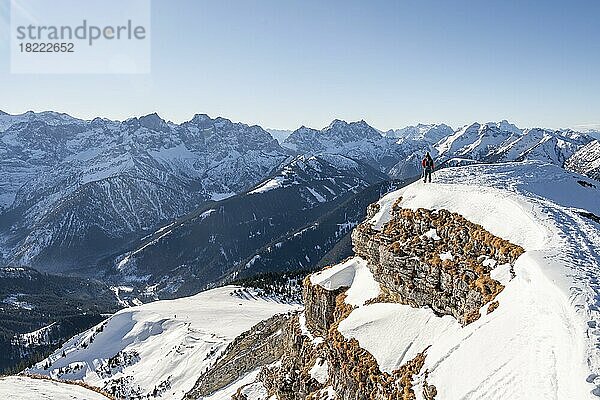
column 242, row 134
column 360, row 129
column 224, row 127
column 154, row 122
column 337, row 123
column 355, row 139
column 362, row 124
column 481, row 142
column 200, row 118
column 474, row 127
column 506, row 126
column 48, row 117
column 431, row 133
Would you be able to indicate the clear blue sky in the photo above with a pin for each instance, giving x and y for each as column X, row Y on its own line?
column 284, row 63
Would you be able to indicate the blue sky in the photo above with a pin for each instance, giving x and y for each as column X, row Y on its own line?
column 286, row 63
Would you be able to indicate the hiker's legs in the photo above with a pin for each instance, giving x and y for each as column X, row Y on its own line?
column 427, row 173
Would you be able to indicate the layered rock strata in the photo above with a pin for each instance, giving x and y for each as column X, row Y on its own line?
column 436, row 259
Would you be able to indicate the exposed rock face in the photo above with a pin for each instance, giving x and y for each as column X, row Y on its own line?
column 290, row 379
column 353, row 373
column 319, row 307
column 259, row 346
column 435, row 258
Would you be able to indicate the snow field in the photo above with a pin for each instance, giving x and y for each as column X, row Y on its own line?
column 175, row 340
column 25, row 388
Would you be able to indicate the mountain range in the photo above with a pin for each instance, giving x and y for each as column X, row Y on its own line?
column 146, row 202
column 75, row 191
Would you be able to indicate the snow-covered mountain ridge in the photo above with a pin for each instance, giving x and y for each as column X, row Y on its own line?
column 91, row 186
column 28, row 388
column 75, row 193
column 286, row 223
column 398, row 152
column 513, row 247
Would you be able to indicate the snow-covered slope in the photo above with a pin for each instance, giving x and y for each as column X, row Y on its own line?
column 26, row 388
column 542, row 341
column 586, row 160
column 159, row 349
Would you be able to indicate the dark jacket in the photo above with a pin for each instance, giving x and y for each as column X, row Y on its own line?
column 428, row 163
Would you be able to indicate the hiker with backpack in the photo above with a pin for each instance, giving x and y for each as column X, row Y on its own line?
column 428, row 167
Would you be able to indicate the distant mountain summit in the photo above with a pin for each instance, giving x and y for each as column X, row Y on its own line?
column 356, row 140
column 337, row 135
column 503, row 141
column 431, row 133
column 153, row 122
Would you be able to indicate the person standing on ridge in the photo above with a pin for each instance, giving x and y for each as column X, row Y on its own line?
column 428, row 167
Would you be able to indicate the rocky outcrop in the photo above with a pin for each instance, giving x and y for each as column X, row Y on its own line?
column 290, row 379
column 352, row 372
column 319, row 306
column 436, row 259
column 422, row 258
column 259, row 346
